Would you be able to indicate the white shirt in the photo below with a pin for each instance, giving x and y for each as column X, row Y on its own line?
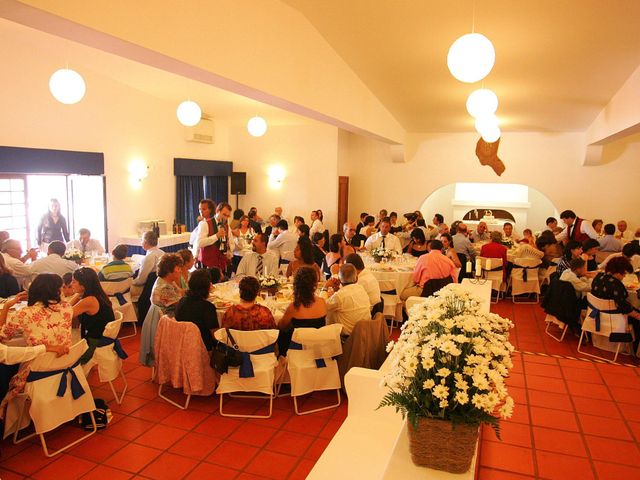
column 149, row 264
column 22, row 271
column 625, row 237
column 316, row 226
column 580, row 284
column 635, row 261
column 53, row 263
column 202, row 239
column 284, row 244
column 13, row 355
column 585, row 227
column 391, row 242
column 370, row 285
column 348, row 306
column 249, row 264
column 92, row 245
column 609, row 243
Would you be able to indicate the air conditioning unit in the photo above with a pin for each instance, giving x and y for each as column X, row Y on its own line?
column 203, row 132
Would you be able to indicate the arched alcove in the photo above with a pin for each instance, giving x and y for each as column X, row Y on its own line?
column 520, row 204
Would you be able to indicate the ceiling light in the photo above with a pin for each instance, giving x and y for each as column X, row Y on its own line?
column 189, row 113
column 67, row 86
column 486, row 122
column 257, row 126
column 471, row 57
column 492, row 134
column 482, row 102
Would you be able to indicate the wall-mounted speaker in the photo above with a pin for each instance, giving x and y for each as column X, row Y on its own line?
column 239, row 183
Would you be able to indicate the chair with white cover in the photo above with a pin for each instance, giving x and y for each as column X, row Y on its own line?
column 57, row 392
column 494, row 274
column 182, row 360
column 311, row 363
column 524, row 279
column 551, row 320
column 392, row 308
column 544, row 274
column 120, row 296
column 603, row 319
column 108, row 356
column 413, row 301
column 257, row 374
column 366, row 347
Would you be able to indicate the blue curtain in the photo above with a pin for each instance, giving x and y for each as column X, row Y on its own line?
column 189, row 192
column 217, row 188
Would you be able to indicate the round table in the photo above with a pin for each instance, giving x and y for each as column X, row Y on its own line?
column 396, row 274
column 226, row 294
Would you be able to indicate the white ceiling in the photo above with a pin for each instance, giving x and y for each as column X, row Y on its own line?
column 558, row 62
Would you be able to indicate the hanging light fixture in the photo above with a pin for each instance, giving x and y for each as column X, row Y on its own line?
column 257, row 126
column 471, row 57
column 67, row 86
column 491, row 134
column 486, row 122
column 482, row 102
column 189, row 113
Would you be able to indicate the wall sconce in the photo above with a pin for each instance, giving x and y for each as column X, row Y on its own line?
column 138, row 171
column 276, row 176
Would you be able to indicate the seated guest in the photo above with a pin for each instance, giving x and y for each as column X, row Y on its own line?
column 237, row 216
column 297, row 221
column 195, row 308
column 92, row 308
column 551, row 248
column 8, row 283
column 365, row 278
column 53, row 262
column 589, row 249
column 362, row 222
column 273, row 221
column 448, row 250
column 248, row 315
column 240, row 243
column 254, row 220
column 395, row 228
column 573, row 249
column 46, row 320
column 608, row 285
column 441, row 229
column 529, row 250
column 303, row 254
column 283, row 242
column 623, row 234
column 495, row 249
column 117, row 269
column 187, row 264
column 18, row 265
column 149, row 263
column 368, row 228
column 609, row 243
column 382, row 214
column 463, row 248
column 351, row 238
column 384, row 238
column 598, row 225
column 509, row 235
column 432, row 266
column 316, row 222
column 303, row 230
column 481, row 234
column 527, row 237
column 552, row 226
column 67, row 291
column 436, row 230
column 166, row 293
column 417, row 246
column 85, row 243
column 422, row 225
column 630, row 251
column 260, row 261
column 318, row 248
column 350, row 304
column 577, row 276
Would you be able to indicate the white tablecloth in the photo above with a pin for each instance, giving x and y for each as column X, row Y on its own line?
column 394, row 275
column 226, row 294
column 163, row 240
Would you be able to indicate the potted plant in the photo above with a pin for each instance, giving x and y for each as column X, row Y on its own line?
column 447, row 377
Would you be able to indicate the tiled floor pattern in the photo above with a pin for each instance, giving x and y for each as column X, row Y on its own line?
column 573, row 420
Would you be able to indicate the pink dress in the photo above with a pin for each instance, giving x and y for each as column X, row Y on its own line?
column 38, row 325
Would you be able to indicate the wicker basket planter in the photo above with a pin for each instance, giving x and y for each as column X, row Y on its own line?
column 439, row 445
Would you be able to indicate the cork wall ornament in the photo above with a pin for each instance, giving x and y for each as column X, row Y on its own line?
column 487, row 153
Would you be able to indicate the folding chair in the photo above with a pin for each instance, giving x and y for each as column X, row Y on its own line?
column 551, row 320
column 495, row 276
column 121, row 302
column 524, row 279
column 311, row 363
column 392, row 308
column 257, row 374
column 412, row 301
column 58, row 392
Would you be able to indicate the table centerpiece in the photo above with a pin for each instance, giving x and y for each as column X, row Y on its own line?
column 269, row 284
column 74, row 255
column 381, row 253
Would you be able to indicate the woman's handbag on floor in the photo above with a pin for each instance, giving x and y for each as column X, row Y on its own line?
column 226, row 355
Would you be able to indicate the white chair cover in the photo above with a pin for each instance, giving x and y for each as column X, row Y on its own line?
column 392, row 306
column 412, row 301
column 47, row 409
column 121, row 287
column 317, row 344
column 494, row 276
column 263, row 365
column 518, row 283
column 108, row 361
column 609, row 323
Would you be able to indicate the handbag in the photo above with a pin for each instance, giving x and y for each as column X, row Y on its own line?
column 225, row 355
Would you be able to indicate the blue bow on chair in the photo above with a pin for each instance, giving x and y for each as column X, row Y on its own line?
column 117, row 346
column 246, row 368
column 76, row 388
column 320, row 363
column 120, row 297
column 595, row 314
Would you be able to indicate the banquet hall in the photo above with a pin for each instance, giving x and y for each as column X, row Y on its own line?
column 327, row 110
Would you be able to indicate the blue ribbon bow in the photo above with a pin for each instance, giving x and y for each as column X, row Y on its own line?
column 524, row 271
column 76, row 388
column 246, row 367
column 595, row 314
column 120, row 296
column 320, row 363
column 117, row 346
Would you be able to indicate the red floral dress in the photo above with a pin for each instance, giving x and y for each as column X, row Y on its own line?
column 38, row 324
column 256, row 317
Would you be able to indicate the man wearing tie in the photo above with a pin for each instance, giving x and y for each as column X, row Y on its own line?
column 384, row 238
column 212, row 242
column 260, row 261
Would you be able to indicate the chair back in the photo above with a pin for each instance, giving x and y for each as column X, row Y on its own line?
column 250, row 340
column 148, row 335
column 413, row 301
column 366, row 346
column 120, row 286
column 181, row 359
column 600, row 320
column 496, row 263
column 434, row 285
column 324, row 342
column 524, row 276
column 495, row 275
column 144, row 301
column 106, row 357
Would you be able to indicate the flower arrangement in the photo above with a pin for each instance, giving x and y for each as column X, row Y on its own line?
column 249, row 236
column 74, row 255
column 269, row 282
column 380, row 253
column 450, row 362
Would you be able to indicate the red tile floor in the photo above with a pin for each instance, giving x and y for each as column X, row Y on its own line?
column 573, row 419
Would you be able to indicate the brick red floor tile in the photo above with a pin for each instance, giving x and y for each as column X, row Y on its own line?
column 627, row 395
column 520, row 415
column 9, row 475
column 169, row 467
column 65, row 466
column 185, row 419
column 129, row 404
column 515, row 380
column 582, row 375
column 603, row 408
column 492, row 474
column 302, row 470
column 305, row 424
column 195, row 445
column 211, row 471
column 317, row 447
column 630, row 411
column 155, row 411
column 613, row 451
column 621, row 380
column 556, row 466
column 252, row 434
column 558, row 401
column 511, row 433
column 272, row 465
column 290, row 443
column 604, row 427
column 28, row 461
column 614, row 471
column 559, row 441
column 506, row 457
column 217, row 426
column 129, row 428
column 97, row 448
column 102, row 472
column 132, row 458
column 558, row 419
column 546, row 384
column 160, row 437
column 232, row 455
column 542, row 369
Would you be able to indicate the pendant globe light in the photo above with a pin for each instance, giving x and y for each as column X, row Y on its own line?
column 486, row 122
column 67, row 86
column 257, row 126
column 491, row 134
column 189, row 113
column 471, row 57
column 482, row 102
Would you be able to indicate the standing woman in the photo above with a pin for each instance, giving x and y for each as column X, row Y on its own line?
column 93, row 308
column 52, row 226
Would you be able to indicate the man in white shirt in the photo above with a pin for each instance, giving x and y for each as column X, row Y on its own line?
column 481, row 233
column 13, row 259
column 609, row 243
column 384, row 238
column 365, row 278
column 85, row 243
column 283, row 242
column 509, row 235
column 260, row 261
column 316, row 224
column 149, row 263
column 438, row 220
column 53, row 262
column 630, row 250
column 623, row 234
column 463, row 247
column 350, row 304
column 576, row 228
column 211, row 246
column 577, row 276
column 349, row 234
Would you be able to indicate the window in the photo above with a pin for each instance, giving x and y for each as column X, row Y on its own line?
column 13, row 208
